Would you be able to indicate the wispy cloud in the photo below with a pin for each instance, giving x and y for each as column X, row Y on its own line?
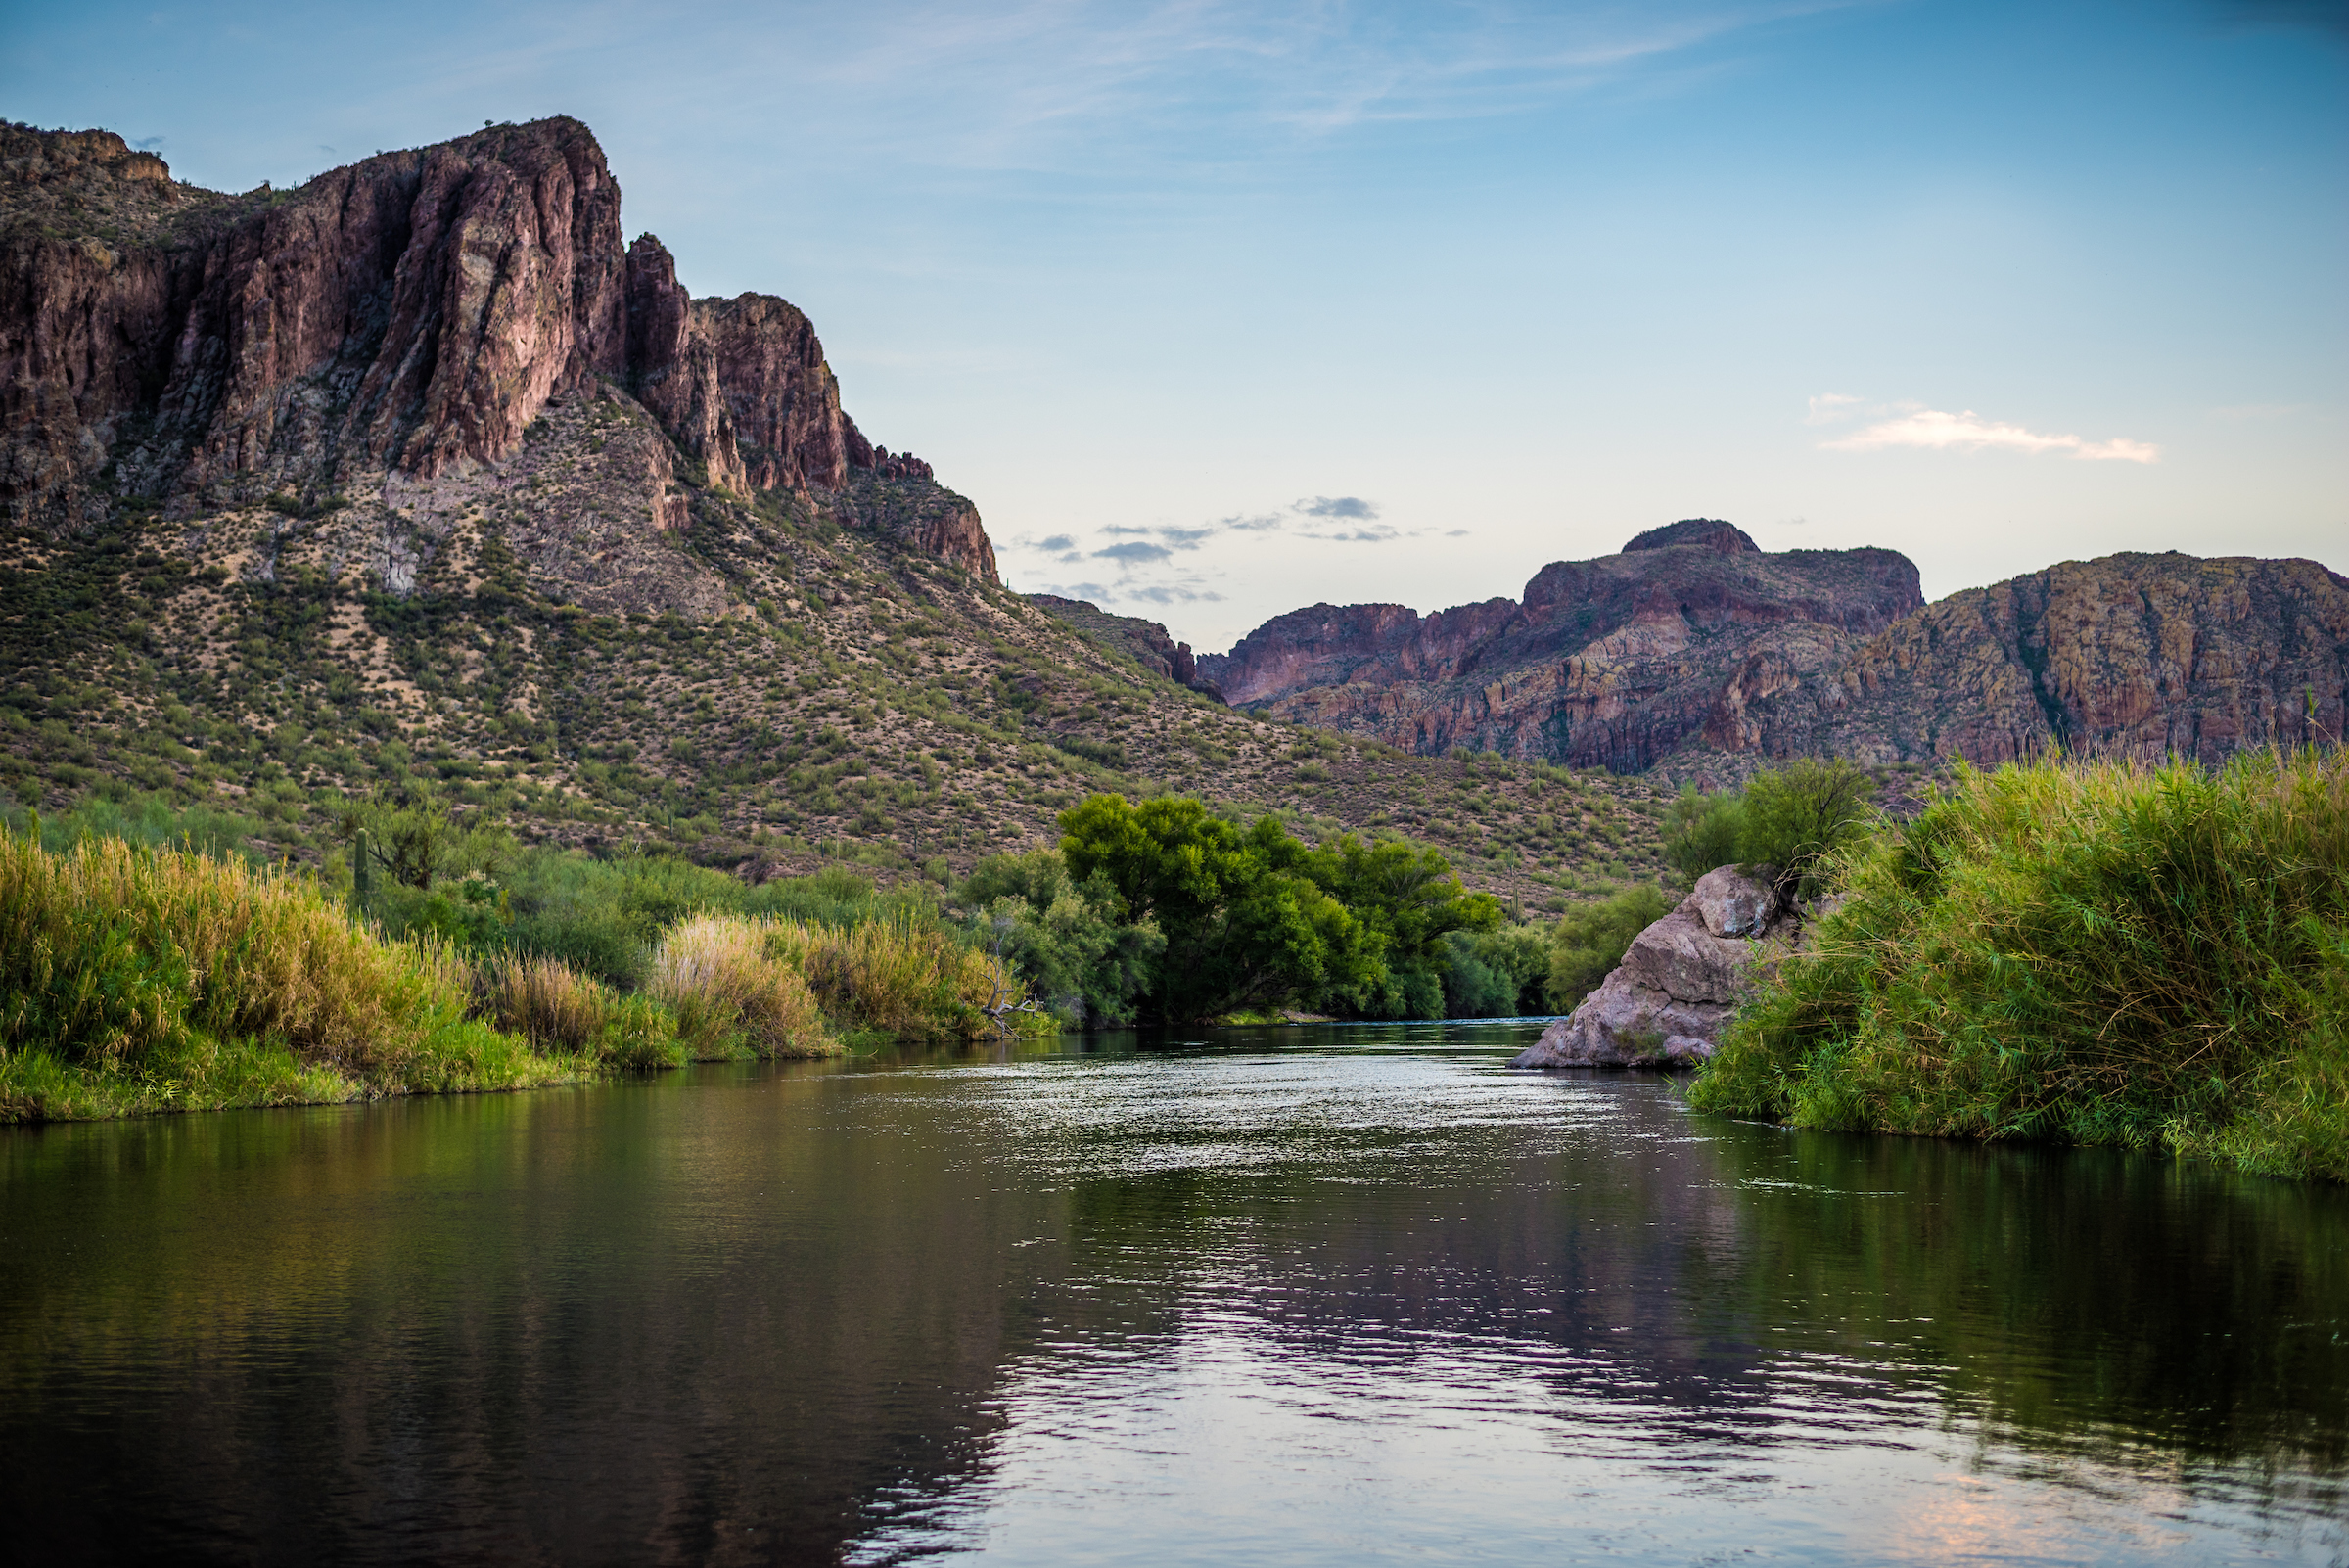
column 1351, row 506
column 1029, row 84
column 1133, row 552
column 1828, row 407
column 1933, row 430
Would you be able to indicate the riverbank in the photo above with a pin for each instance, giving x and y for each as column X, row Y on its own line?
column 2078, row 952
column 137, row 980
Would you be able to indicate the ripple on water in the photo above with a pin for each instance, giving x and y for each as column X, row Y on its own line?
column 1374, row 1297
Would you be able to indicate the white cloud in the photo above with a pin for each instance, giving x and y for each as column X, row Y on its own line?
column 1970, row 432
column 1828, row 407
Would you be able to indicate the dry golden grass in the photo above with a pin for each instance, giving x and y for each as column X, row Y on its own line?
column 134, row 979
column 715, row 974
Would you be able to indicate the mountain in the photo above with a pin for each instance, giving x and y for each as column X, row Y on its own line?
column 1694, row 653
column 417, row 480
column 1614, row 662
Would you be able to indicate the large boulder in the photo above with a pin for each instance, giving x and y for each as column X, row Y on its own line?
column 1665, row 1004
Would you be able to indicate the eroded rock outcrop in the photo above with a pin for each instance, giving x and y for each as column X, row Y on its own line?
column 1694, row 651
column 407, row 318
column 1146, row 642
column 1665, row 1004
column 2145, row 656
column 1611, row 663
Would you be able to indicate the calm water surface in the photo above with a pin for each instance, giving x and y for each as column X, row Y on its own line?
column 1280, row 1297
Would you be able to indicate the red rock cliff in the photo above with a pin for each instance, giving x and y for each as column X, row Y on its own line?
column 412, row 315
column 1612, row 663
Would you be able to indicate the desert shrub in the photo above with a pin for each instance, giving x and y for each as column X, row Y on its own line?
column 1700, row 830
column 148, row 819
column 1796, row 818
column 715, row 975
column 1589, row 942
column 191, row 974
column 559, row 1010
column 2092, row 952
column 906, row 976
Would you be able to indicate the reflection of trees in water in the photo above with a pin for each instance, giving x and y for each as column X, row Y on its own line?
column 2085, row 1296
column 581, row 1325
column 2081, row 1299
column 769, row 1318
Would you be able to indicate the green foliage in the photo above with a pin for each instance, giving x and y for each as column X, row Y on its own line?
column 1497, row 973
column 1068, row 942
column 1793, row 818
column 1245, row 926
column 2084, row 953
column 146, row 819
column 1589, row 942
column 1251, row 919
column 1798, row 817
column 140, row 979
column 1700, row 831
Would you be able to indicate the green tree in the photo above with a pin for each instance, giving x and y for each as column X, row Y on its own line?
column 1413, row 904
column 1066, row 941
column 1244, row 925
column 1700, row 830
column 1795, row 816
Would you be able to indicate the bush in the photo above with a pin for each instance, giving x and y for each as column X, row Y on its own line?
column 2086, row 952
column 1066, row 942
column 1700, row 831
column 142, row 979
column 1497, row 973
column 1797, row 816
column 715, row 974
column 559, row 1010
column 1587, row 942
column 908, row 977
column 1792, row 819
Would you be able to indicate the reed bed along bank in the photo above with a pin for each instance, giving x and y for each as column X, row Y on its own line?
column 136, row 979
column 2082, row 951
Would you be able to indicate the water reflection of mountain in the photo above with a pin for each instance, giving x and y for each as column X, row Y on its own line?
column 766, row 1318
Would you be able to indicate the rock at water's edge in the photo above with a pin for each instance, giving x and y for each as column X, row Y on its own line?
column 1665, row 1004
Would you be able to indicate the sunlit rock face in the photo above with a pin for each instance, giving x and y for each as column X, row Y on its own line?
column 399, row 321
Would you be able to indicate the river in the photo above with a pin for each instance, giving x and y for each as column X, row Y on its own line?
column 1280, row 1296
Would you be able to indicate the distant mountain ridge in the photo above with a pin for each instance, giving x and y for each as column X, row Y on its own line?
column 1694, row 651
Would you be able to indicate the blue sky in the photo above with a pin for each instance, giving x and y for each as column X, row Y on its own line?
column 1216, row 311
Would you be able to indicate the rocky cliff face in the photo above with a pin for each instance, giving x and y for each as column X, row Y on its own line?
column 404, row 318
column 1146, row 642
column 2140, row 655
column 1612, row 663
column 1693, row 650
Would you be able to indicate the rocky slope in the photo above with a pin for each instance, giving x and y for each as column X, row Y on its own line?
column 2138, row 655
column 1146, row 642
column 417, row 481
column 1613, row 663
column 1694, row 653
